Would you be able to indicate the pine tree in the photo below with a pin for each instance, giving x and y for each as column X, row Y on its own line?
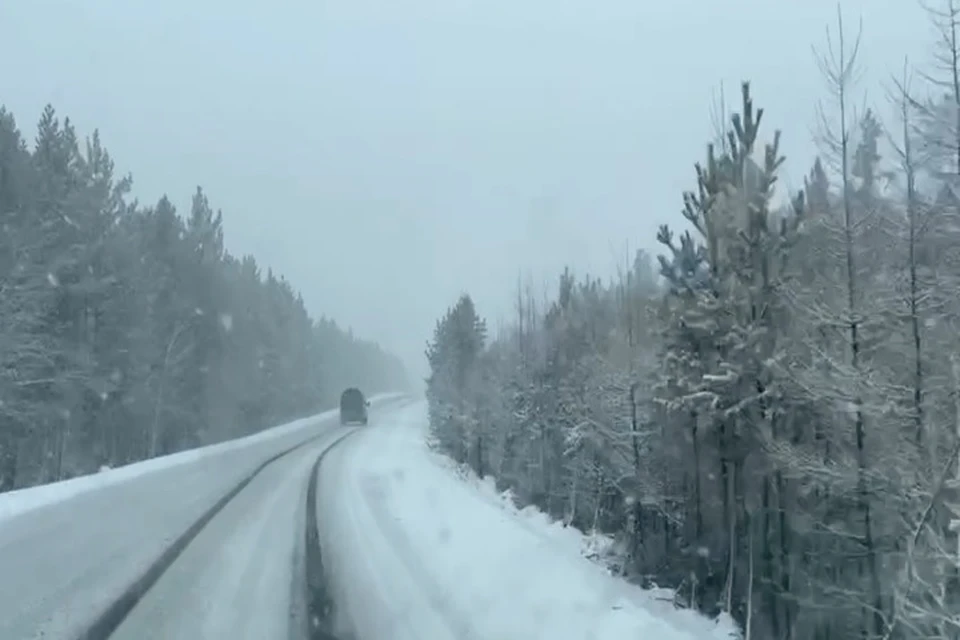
column 454, row 356
column 129, row 332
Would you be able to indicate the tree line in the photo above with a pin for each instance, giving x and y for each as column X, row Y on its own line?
column 767, row 418
column 128, row 331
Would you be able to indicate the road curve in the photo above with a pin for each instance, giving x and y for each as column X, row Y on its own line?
column 64, row 564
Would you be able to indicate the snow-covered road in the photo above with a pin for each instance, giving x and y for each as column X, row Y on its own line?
column 63, row 564
column 69, row 550
column 236, row 579
column 413, row 551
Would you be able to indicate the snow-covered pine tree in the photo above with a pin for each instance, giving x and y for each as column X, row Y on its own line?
column 454, row 386
column 726, row 315
column 108, row 312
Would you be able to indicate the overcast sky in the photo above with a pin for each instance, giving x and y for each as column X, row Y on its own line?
column 386, row 155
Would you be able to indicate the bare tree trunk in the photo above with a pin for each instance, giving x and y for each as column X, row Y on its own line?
column 697, row 489
column 154, row 435
column 749, row 621
column 8, row 463
column 913, row 225
column 730, row 509
column 599, row 496
column 574, row 487
column 955, row 522
column 636, row 533
column 838, row 69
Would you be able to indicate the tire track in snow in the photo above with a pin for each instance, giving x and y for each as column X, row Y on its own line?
column 459, row 622
column 317, row 599
column 110, row 619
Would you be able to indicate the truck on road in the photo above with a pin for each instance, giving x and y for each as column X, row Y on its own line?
column 353, row 407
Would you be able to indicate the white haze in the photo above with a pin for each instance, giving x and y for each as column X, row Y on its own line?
column 387, row 155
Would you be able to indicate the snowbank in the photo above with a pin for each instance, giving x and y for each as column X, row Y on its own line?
column 16, row 502
column 441, row 554
column 594, row 546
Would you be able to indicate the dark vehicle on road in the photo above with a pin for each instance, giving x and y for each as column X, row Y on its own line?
column 353, row 407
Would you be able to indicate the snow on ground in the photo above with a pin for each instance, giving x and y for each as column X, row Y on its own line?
column 415, row 550
column 596, row 546
column 16, row 502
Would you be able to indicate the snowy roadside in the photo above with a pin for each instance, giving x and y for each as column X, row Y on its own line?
column 446, row 553
column 13, row 503
column 598, row 548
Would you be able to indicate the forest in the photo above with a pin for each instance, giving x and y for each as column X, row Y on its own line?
column 767, row 416
column 129, row 332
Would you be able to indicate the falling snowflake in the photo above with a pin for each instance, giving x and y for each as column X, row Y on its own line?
column 52, row 279
column 851, row 408
column 227, row 321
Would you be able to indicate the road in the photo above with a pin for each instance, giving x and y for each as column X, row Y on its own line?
column 59, row 564
column 64, row 566
column 236, row 579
